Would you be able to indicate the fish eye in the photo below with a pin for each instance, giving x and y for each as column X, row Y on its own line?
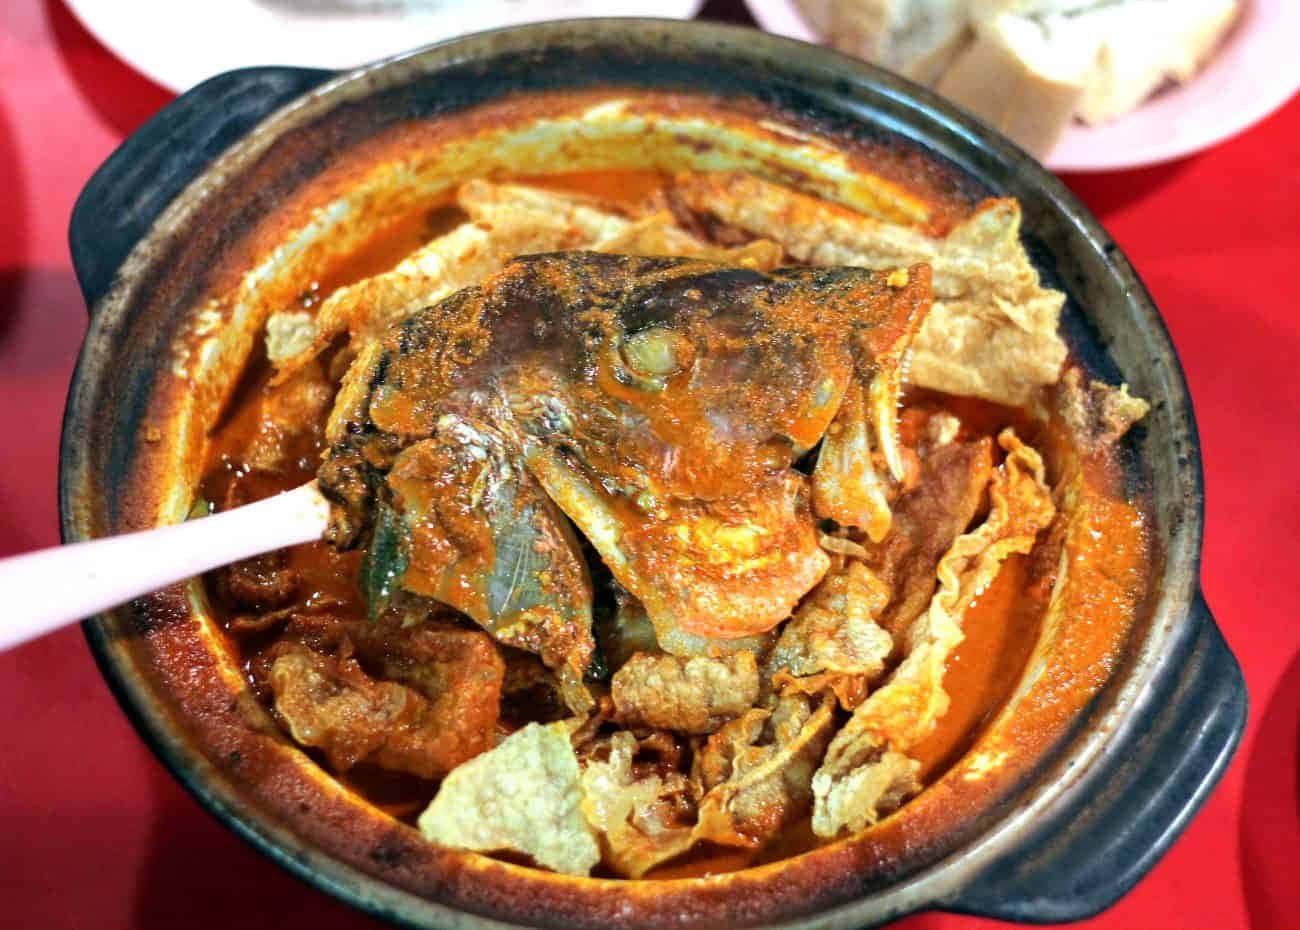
column 657, row 352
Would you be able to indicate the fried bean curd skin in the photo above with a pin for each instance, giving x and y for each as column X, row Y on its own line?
column 750, row 780
column 643, row 818
column 523, row 796
column 757, row 771
column 866, row 773
column 993, row 330
column 833, row 640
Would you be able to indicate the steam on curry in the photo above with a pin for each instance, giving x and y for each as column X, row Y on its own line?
column 703, row 523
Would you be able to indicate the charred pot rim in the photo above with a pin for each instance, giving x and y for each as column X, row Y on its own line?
column 111, row 402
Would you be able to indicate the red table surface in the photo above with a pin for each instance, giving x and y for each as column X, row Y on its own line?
column 93, row 831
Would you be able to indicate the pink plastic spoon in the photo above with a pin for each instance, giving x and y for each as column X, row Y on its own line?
column 53, row 587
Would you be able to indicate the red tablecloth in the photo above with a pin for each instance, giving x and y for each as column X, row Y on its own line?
column 93, row 832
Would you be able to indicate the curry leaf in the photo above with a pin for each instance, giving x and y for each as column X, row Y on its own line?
column 385, row 560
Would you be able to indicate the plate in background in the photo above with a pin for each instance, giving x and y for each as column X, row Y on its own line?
column 178, row 43
column 1255, row 71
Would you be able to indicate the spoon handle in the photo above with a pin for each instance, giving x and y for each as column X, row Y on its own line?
column 53, row 587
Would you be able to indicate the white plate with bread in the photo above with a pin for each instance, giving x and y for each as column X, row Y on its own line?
column 1085, row 85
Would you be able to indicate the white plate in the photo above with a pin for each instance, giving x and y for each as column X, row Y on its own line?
column 1255, row 72
column 179, row 43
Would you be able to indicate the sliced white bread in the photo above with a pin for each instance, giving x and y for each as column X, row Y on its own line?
column 1148, row 43
column 915, row 38
column 1143, row 43
column 1021, row 80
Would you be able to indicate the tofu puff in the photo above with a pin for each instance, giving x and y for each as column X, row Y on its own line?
column 658, row 550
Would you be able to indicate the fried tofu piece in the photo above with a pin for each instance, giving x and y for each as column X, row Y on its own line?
column 289, row 334
column 695, row 695
column 440, row 716
column 750, row 780
column 992, row 332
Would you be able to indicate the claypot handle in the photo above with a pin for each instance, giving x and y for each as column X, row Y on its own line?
column 1146, row 788
column 132, row 187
